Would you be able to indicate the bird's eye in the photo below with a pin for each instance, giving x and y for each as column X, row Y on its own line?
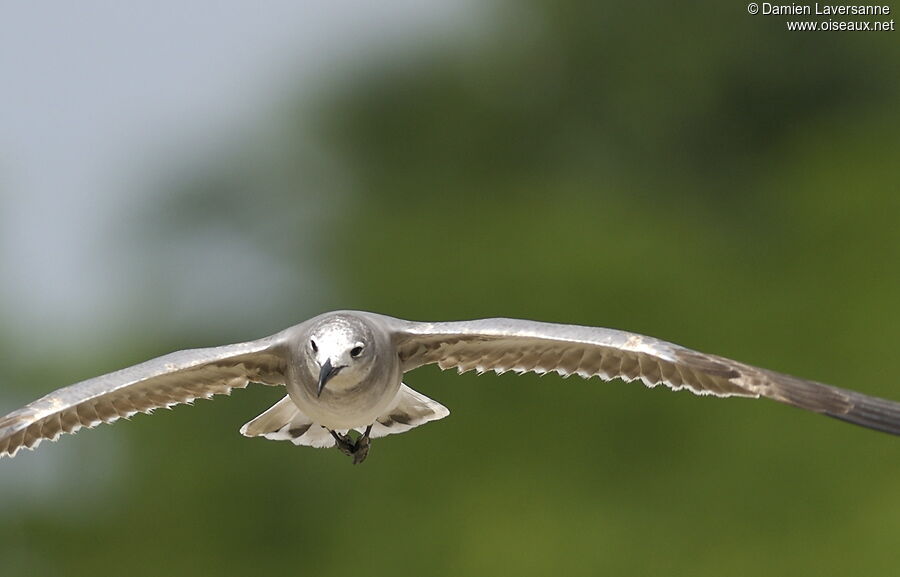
column 315, row 347
column 356, row 351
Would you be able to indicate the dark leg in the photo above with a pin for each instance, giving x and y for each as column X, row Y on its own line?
column 345, row 445
column 361, row 448
column 358, row 449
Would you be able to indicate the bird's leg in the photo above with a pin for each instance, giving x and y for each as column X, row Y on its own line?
column 358, row 449
column 345, row 445
column 361, row 447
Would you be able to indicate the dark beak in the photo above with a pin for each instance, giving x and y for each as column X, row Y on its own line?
column 325, row 375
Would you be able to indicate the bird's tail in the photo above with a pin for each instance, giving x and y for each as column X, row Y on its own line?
column 410, row 410
column 285, row 422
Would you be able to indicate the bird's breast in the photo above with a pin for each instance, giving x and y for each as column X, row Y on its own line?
column 348, row 406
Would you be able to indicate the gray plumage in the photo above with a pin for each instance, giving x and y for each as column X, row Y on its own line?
column 343, row 370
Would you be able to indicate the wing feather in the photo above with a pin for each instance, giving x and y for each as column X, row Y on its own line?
column 176, row 378
column 502, row 345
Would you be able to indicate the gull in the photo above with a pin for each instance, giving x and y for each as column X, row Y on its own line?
column 343, row 375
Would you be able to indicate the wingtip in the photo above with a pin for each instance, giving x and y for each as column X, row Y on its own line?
column 871, row 412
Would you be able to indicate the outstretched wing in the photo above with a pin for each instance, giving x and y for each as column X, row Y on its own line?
column 172, row 379
column 502, row 345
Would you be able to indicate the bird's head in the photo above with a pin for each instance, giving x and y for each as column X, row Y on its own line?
column 340, row 351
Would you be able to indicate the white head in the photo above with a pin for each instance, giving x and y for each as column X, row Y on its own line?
column 340, row 351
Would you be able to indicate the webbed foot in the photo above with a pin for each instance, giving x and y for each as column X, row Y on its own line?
column 358, row 449
column 361, row 451
column 345, row 444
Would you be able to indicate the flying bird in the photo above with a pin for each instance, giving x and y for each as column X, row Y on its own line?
column 343, row 372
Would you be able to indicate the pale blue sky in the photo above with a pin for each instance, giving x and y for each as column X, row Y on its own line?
column 100, row 98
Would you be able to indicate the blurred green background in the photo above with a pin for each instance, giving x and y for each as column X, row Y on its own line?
column 684, row 170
